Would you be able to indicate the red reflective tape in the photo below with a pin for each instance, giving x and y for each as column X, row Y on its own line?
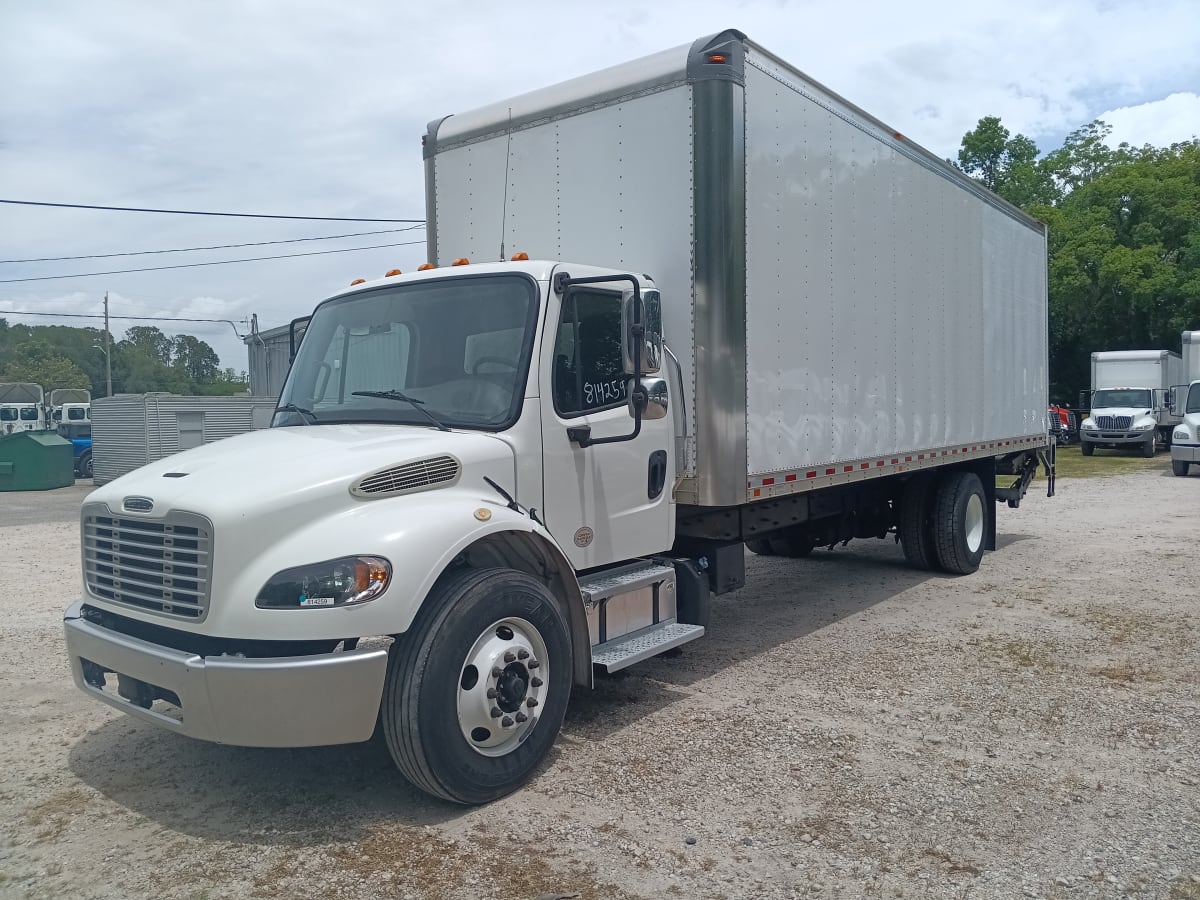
column 894, row 461
column 864, row 465
column 847, row 468
column 791, row 477
column 831, row 471
column 879, row 463
column 908, row 459
column 768, row 481
column 920, row 456
column 811, row 475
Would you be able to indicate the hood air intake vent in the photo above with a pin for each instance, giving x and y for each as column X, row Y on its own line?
column 408, row 478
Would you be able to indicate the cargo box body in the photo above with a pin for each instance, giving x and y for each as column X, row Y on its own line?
column 1191, row 357
column 843, row 304
column 1154, row 369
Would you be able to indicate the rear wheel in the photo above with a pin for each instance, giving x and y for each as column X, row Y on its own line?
column 1086, row 448
column 85, row 464
column 916, row 522
column 959, row 522
column 791, row 543
column 1148, row 447
column 1179, row 467
column 760, row 546
column 477, row 689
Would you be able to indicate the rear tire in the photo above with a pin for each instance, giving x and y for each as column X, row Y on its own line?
column 916, row 522
column 442, row 679
column 960, row 522
column 1086, row 447
column 1179, row 467
column 85, row 464
column 1149, row 447
column 760, row 546
column 791, row 544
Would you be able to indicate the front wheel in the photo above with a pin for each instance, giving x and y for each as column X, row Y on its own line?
column 1086, row 448
column 477, row 689
column 959, row 522
column 1148, row 447
column 1179, row 467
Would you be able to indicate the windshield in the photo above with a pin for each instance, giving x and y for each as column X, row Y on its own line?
column 76, row 413
column 29, row 413
column 1121, row 398
column 1193, row 401
column 457, row 346
column 8, row 414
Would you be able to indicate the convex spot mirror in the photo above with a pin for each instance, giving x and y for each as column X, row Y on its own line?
column 652, row 339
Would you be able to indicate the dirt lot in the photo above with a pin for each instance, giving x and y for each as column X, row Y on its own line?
column 849, row 728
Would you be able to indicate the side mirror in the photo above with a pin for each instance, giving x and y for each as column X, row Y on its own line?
column 1085, row 400
column 649, row 317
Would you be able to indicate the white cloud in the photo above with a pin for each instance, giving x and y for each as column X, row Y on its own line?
column 1159, row 123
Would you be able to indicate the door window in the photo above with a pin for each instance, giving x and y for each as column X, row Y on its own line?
column 588, row 373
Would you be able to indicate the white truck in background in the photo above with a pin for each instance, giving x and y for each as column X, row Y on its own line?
column 1185, row 441
column 485, row 481
column 1129, row 403
column 22, row 407
column 71, row 406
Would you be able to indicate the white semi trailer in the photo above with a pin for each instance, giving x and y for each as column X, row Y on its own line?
column 1129, row 404
column 1185, row 440
column 778, row 322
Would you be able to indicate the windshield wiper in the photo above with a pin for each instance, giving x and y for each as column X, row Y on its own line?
column 418, row 405
column 292, row 407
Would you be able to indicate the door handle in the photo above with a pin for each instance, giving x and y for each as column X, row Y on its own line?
column 656, row 476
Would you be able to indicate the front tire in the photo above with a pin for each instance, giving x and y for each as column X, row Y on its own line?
column 477, row 689
column 1179, row 466
column 1086, row 447
column 1148, row 447
column 960, row 522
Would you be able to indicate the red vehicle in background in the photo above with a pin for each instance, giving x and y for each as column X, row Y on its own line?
column 1064, row 425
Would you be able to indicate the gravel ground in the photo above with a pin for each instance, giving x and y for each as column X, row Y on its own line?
column 849, row 728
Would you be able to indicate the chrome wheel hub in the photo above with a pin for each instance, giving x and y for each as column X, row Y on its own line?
column 974, row 523
column 502, row 686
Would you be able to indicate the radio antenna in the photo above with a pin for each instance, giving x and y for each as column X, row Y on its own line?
column 504, row 205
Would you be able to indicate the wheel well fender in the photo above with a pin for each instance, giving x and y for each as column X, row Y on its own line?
column 535, row 554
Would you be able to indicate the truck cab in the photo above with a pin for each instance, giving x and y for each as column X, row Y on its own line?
column 16, row 417
column 1185, row 441
column 1120, row 418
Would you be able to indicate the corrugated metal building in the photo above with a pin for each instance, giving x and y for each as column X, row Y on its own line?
column 269, row 355
column 130, row 430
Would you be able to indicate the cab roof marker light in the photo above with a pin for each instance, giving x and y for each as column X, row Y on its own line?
column 391, row 272
column 461, row 261
column 425, row 267
column 718, row 58
column 358, row 281
column 520, row 257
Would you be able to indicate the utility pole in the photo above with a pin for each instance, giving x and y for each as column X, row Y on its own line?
column 107, row 350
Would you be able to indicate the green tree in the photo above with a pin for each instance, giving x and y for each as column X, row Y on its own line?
column 38, row 362
column 1006, row 164
column 195, row 357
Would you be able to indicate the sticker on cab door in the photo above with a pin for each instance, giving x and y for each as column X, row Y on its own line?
column 584, row 536
column 316, row 601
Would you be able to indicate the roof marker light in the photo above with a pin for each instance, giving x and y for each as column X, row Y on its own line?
column 358, row 281
column 425, row 267
column 391, row 272
column 461, row 261
column 718, row 58
column 520, row 257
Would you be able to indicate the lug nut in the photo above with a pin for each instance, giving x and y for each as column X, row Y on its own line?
column 507, row 722
column 536, row 682
column 533, row 664
column 509, row 656
column 522, row 654
column 495, row 712
column 531, row 702
column 497, row 671
column 492, row 693
column 521, row 717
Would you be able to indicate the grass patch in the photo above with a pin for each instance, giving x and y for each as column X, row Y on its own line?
column 1071, row 463
column 1185, row 888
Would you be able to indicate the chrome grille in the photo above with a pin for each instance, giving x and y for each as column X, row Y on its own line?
column 1113, row 423
column 413, row 476
column 160, row 565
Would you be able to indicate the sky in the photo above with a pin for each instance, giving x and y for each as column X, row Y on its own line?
column 317, row 108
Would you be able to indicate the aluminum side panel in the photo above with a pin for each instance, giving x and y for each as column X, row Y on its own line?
column 578, row 189
column 888, row 309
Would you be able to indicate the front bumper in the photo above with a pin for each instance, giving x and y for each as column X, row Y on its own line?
column 1115, row 438
column 299, row 701
column 1189, row 453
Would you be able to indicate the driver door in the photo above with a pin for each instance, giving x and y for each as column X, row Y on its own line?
column 608, row 502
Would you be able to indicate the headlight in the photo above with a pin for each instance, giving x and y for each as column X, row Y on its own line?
column 1088, row 423
column 336, row 582
column 1146, row 427
column 1180, row 435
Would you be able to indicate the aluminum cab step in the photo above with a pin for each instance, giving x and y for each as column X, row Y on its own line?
column 633, row 648
column 607, row 584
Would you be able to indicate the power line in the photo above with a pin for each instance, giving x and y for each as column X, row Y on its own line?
column 219, row 262
column 328, row 237
column 192, row 212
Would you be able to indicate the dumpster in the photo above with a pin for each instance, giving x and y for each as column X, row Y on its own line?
column 35, row 461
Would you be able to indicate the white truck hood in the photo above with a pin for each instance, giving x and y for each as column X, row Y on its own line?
column 1134, row 412
column 297, row 469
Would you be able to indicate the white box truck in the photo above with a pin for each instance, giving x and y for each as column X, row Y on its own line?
column 778, row 322
column 1129, row 404
column 1185, row 439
